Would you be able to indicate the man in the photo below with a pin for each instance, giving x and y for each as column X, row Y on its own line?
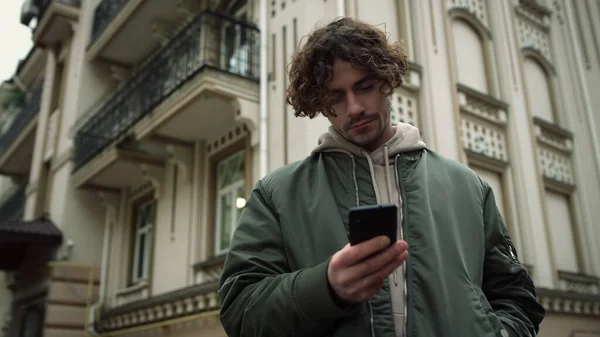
column 290, row 270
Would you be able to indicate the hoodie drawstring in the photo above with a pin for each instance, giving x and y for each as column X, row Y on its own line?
column 372, row 171
column 355, row 182
column 388, row 181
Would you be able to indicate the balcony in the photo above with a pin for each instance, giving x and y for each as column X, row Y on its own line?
column 147, row 24
column 54, row 21
column 18, row 137
column 13, row 207
column 192, row 304
column 197, row 86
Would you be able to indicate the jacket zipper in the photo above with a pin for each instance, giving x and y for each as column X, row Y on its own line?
column 358, row 204
column 403, row 214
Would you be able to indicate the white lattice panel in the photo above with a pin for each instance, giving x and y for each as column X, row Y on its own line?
column 484, row 139
column 556, row 166
column 404, row 108
column 534, row 37
column 477, row 8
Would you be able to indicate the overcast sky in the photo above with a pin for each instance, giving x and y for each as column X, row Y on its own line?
column 15, row 38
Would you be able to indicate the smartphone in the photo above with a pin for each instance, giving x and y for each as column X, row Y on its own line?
column 367, row 222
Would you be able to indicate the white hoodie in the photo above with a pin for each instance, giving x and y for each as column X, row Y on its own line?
column 382, row 166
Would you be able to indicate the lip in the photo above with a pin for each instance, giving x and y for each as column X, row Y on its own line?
column 361, row 124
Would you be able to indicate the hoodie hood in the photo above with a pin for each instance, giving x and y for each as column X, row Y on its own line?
column 406, row 138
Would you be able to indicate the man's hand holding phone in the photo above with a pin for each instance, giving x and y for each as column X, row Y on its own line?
column 357, row 272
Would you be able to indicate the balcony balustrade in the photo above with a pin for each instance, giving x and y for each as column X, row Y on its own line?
column 210, row 40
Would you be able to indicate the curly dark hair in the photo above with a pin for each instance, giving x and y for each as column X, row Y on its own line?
column 365, row 46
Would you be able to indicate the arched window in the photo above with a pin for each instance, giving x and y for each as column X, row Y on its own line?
column 538, row 90
column 470, row 56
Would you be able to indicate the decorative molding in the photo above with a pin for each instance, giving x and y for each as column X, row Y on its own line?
column 579, row 283
column 554, row 148
column 110, row 201
column 228, row 138
column 141, row 190
column 563, row 302
column 154, row 175
column 553, row 136
column 136, row 292
column 534, row 31
column 534, row 11
column 476, row 9
column 482, row 105
column 247, row 113
column 209, row 270
column 483, row 124
column 182, row 157
column 177, row 304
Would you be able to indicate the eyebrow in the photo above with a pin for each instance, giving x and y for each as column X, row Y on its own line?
column 358, row 83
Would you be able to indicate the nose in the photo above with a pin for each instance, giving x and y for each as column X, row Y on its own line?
column 354, row 106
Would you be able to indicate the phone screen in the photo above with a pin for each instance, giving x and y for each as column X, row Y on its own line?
column 367, row 222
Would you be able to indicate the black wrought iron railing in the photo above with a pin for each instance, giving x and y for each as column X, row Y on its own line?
column 103, row 16
column 23, row 117
column 13, row 207
column 211, row 40
column 44, row 4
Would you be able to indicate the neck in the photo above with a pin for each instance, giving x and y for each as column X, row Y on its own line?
column 383, row 138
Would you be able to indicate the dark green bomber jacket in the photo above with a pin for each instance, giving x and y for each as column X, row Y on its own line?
column 462, row 278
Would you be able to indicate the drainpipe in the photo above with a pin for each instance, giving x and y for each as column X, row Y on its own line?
column 264, row 78
column 110, row 214
column 341, row 8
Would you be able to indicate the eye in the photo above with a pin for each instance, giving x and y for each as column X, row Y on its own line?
column 337, row 98
column 366, row 87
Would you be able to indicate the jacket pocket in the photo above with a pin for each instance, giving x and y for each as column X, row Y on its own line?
column 491, row 319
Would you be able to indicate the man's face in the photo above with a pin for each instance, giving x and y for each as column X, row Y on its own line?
column 360, row 112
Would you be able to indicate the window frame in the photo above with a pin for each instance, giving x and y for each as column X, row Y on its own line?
column 229, row 189
column 136, row 233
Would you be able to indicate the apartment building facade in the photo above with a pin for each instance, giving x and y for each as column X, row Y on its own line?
column 136, row 128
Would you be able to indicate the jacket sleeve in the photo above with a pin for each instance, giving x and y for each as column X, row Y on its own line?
column 506, row 283
column 260, row 294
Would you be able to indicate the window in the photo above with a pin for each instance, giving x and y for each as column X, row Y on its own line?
column 235, row 40
column 494, row 179
column 561, row 231
column 470, row 56
column 231, row 198
column 144, row 224
column 538, row 89
column 32, row 322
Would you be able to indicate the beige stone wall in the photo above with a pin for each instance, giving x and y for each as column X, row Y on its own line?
column 184, row 230
column 556, row 325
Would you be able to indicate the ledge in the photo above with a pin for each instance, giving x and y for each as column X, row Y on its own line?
column 552, row 127
column 211, row 262
column 571, row 303
column 176, row 304
column 483, row 96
